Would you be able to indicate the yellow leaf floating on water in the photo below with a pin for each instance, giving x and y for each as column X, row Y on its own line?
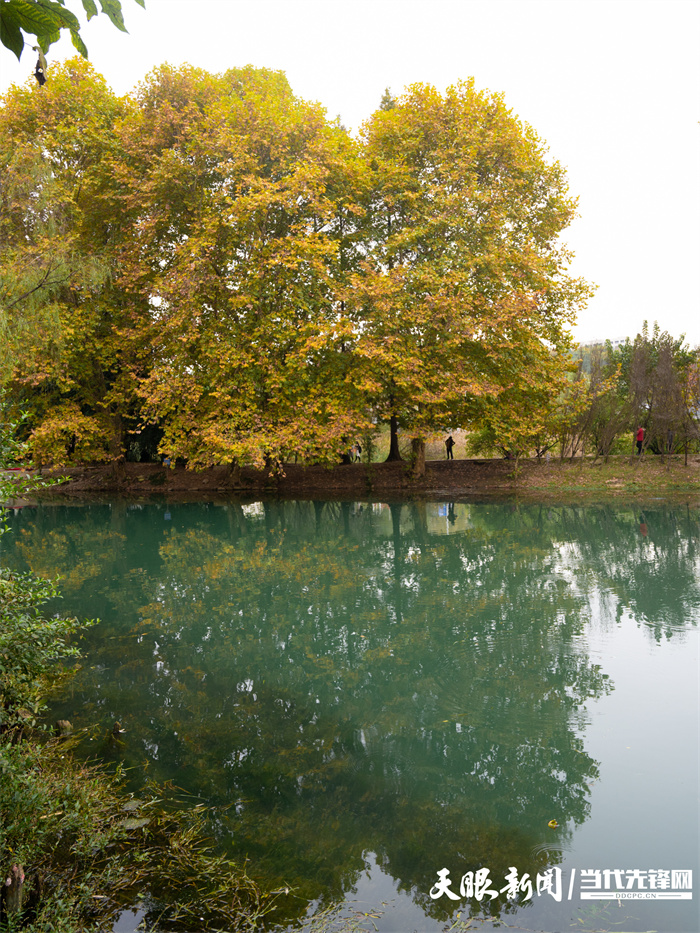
column 553, row 824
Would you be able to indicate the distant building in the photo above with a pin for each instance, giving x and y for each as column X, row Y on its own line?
column 600, row 341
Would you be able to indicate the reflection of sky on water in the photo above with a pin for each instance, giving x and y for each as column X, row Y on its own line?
column 645, row 734
column 129, row 921
column 378, row 893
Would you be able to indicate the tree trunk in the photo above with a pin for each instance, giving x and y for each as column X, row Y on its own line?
column 395, row 509
column 394, row 453
column 318, row 510
column 119, row 468
column 233, row 473
column 345, row 457
column 420, row 520
column 116, row 441
column 417, row 457
column 345, row 512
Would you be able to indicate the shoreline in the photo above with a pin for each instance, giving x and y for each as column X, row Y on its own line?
column 620, row 477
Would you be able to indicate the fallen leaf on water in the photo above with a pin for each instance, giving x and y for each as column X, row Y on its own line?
column 134, row 824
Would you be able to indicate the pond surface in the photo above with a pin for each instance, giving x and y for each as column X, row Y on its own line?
column 387, row 704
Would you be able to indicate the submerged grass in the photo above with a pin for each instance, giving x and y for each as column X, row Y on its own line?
column 86, row 851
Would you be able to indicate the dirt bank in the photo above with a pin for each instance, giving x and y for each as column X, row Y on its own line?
column 442, row 477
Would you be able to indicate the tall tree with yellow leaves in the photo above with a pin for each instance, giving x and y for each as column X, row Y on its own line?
column 464, row 292
column 235, row 205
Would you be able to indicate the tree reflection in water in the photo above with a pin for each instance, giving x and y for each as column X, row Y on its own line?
column 338, row 678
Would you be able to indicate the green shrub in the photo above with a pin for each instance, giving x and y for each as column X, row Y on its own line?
column 30, row 645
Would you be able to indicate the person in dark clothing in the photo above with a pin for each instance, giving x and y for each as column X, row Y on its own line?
column 449, row 444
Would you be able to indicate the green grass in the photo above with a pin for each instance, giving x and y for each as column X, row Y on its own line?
column 620, row 475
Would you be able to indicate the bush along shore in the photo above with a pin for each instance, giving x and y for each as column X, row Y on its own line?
column 75, row 848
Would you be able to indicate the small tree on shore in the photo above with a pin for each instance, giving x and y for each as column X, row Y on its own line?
column 656, row 388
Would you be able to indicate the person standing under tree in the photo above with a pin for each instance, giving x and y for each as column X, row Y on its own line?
column 449, row 444
column 640, row 441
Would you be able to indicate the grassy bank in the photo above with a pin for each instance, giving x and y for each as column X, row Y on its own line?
column 620, row 476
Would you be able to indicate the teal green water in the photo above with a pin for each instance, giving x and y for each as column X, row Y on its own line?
column 370, row 693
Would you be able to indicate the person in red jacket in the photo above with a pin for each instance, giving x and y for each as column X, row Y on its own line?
column 640, row 441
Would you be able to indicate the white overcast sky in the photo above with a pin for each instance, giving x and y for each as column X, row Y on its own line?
column 612, row 86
